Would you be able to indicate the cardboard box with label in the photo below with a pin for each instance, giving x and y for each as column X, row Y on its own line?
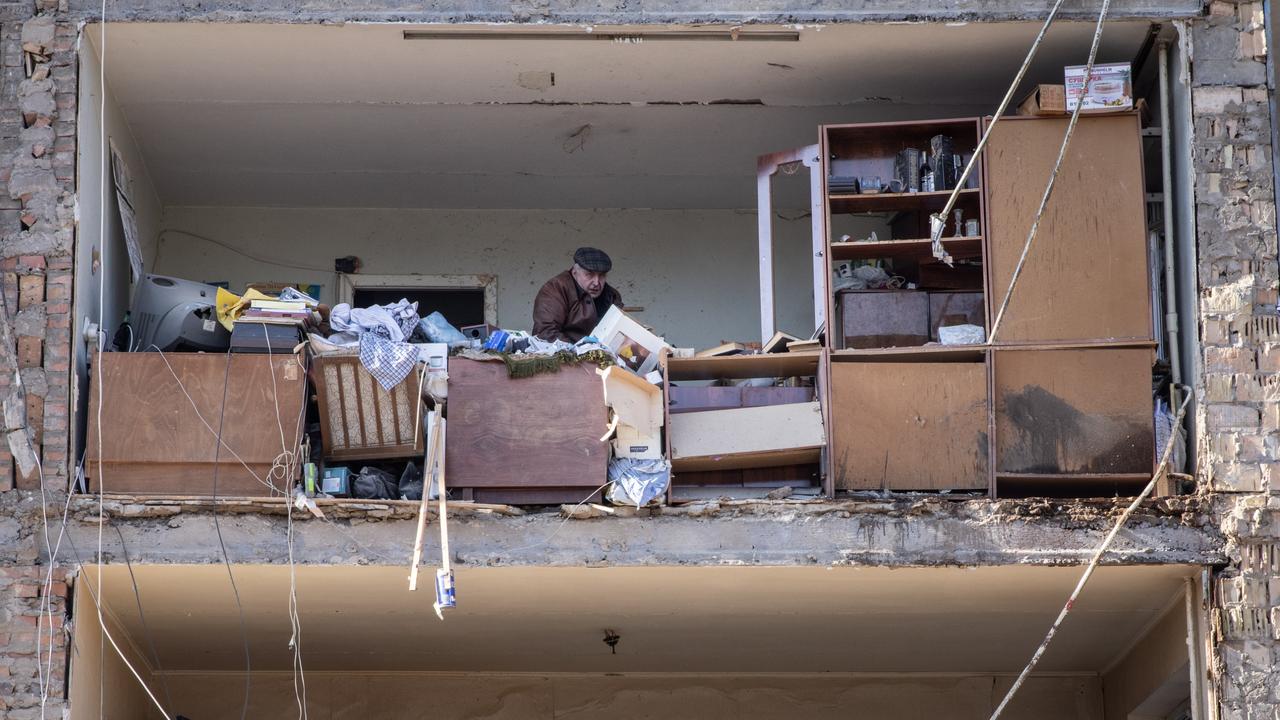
column 1111, row 87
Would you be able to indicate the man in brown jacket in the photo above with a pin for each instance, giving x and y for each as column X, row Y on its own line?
column 571, row 303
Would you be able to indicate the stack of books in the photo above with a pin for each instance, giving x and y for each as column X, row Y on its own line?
column 276, row 312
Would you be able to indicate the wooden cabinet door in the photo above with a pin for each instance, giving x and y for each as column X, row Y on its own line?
column 1086, row 276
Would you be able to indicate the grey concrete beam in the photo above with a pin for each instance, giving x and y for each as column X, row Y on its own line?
column 652, row 12
column 897, row 533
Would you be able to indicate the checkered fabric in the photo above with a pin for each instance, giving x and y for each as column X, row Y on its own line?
column 389, row 362
column 593, row 259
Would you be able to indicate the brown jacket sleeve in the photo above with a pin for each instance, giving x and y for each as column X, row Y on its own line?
column 550, row 310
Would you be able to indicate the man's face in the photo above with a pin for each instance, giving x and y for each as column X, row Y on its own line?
column 592, row 282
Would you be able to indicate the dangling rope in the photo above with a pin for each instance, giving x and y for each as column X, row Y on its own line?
column 1053, row 176
column 938, row 221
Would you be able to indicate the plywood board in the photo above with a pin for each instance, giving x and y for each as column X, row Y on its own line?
column 539, row 431
column 1086, row 275
column 1086, row 412
column 786, row 364
column 155, row 442
column 909, row 426
column 761, row 431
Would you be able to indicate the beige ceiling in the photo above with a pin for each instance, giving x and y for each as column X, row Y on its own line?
column 710, row 619
column 356, row 116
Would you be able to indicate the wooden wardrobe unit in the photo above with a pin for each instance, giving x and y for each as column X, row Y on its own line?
column 1062, row 399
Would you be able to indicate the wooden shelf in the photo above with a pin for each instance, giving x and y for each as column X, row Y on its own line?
column 798, row 364
column 959, row 247
column 890, row 202
column 920, row 353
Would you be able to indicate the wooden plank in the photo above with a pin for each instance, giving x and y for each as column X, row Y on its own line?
column 716, row 434
column 801, row 364
column 1086, row 276
column 763, row 396
column 967, row 200
column 743, row 461
column 924, row 353
column 153, row 441
column 1074, row 412
column 959, row 247
column 537, row 432
column 697, row 399
column 909, row 426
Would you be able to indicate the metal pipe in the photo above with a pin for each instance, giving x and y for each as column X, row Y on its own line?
column 1166, row 180
column 1193, row 651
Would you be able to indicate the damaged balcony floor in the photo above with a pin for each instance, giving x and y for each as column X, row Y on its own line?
column 895, row 531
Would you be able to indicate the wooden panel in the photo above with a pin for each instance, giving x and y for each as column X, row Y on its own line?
column 909, row 426
column 884, row 318
column 958, row 247
column 743, row 461
column 762, row 396
column 1086, row 276
column 693, row 399
column 955, row 308
column 800, row 364
column 540, row 431
column 1074, row 411
column 715, row 434
column 153, row 440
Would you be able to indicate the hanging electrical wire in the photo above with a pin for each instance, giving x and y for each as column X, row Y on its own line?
column 1053, row 175
column 226, row 558
column 938, row 222
column 1097, row 556
column 289, row 459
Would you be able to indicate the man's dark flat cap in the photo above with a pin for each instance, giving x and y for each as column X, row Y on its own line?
column 592, row 259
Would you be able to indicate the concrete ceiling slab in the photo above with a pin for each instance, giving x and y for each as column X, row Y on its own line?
column 673, row 619
column 356, row 116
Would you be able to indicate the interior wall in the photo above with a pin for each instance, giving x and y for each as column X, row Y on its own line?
column 534, row 697
column 94, row 199
column 694, row 272
column 100, row 684
column 1160, row 655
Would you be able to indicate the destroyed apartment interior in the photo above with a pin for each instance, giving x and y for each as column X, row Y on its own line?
column 887, row 347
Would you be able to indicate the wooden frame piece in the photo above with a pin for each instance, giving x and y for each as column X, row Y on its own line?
column 766, row 167
column 348, row 284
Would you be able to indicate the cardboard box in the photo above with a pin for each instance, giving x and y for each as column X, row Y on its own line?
column 1044, row 100
column 638, row 349
column 1111, row 87
column 631, row 443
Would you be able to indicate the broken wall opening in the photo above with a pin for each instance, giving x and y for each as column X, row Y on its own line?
column 499, row 156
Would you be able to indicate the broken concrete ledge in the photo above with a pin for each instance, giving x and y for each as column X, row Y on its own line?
column 906, row 531
column 641, row 12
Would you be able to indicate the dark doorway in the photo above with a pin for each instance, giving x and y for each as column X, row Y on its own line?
column 460, row 306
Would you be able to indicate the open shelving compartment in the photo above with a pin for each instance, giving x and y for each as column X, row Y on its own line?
column 746, row 441
column 901, row 246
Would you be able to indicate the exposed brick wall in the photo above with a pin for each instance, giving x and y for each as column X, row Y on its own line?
column 26, row 615
column 37, row 171
column 1240, row 389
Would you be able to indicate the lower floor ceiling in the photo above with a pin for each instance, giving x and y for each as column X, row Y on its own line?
column 667, row 619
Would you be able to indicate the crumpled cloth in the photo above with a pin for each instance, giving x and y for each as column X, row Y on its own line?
column 388, row 362
column 394, row 322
